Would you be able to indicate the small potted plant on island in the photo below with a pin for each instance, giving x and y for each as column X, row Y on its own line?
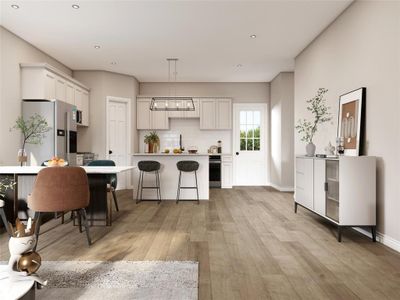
column 320, row 111
column 153, row 141
column 33, row 131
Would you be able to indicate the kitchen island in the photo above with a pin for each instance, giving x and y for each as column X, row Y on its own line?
column 169, row 176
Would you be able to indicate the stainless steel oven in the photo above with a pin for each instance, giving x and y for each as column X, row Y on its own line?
column 215, row 171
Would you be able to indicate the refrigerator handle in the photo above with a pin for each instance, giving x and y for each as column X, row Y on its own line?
column 68, row 136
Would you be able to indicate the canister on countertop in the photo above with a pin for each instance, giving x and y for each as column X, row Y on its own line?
column 219, row 147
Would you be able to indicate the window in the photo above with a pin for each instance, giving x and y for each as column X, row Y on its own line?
column 250, row 130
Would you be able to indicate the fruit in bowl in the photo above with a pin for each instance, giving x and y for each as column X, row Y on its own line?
column 56, row 162
column 177, row 151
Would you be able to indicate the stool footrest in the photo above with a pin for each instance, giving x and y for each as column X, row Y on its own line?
column 188, row 187
column 150, row 187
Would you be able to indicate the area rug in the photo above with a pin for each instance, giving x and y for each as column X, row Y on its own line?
column 119, row 280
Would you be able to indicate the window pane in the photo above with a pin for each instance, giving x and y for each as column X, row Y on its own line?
column 242, row 144
column 242, row 117
column 257, row 120
column 242, row 131
column 249, row 117
column 257, row 131
column 250, row 130
column 257, row 144
column 250, row 145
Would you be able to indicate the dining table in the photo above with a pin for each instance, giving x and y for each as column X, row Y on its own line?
column 98, row 210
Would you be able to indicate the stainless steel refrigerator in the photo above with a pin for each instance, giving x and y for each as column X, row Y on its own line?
column 61, row 140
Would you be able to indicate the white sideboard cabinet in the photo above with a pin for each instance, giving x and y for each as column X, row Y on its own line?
column 341, row 190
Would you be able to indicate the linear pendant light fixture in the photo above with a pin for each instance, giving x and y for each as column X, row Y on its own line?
column 172, row 103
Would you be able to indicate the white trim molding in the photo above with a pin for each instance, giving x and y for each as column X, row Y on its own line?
column 282, row 188
column 381, row 238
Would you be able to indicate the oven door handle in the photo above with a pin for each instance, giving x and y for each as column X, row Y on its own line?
column 215, row 162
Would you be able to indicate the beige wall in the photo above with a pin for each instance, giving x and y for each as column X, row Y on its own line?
column 361, row 48
column 281, row 128
column 103, row 84
column 13, row 51
column 238, row 91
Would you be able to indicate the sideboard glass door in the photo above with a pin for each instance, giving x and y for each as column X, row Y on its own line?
column 332, row 189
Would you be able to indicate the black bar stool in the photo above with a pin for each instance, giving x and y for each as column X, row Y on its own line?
column 148, row 166
column 187, row 166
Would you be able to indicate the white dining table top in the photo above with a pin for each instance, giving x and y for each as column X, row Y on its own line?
column 89, row 169
column 13, row 289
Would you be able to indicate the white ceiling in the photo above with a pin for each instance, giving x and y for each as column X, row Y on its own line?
column 210, row 38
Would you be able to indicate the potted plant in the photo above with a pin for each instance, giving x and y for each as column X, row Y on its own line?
column 153, row 141
column 320, row 112
column 33, row 131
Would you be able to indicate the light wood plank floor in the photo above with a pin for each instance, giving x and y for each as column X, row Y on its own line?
column 249, row 243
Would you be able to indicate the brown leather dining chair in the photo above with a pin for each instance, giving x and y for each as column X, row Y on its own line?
column 61, row 189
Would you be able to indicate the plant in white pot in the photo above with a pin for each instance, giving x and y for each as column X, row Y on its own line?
column 320, row 112
column 33, row 131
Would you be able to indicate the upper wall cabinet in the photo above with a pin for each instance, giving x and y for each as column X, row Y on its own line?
column 147, row 119
column 215, row 114
column 44, row 82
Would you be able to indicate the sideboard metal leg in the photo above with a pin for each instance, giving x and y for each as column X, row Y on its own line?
column 339, row 238
column 295, row 208
column 373, row 232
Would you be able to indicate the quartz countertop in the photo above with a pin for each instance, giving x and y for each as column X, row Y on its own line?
column 179, row 154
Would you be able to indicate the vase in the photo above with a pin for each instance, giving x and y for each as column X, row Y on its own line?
column 22, row 157
column 151, row 147
column 310, row 149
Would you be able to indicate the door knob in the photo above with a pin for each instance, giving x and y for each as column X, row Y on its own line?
column 237, row 153
column 109, row 151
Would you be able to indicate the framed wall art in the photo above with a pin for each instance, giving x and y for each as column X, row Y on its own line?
column 351, row 121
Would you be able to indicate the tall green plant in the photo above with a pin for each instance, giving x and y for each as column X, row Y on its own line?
column 33, row 130
column 320, row 112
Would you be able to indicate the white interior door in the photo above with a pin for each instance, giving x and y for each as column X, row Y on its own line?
column 118, row 136
column 249, row 150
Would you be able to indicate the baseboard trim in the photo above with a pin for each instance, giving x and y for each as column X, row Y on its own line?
column 282, row 188
column 381, row 238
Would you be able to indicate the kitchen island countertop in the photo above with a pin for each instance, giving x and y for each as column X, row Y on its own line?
column 179, row 154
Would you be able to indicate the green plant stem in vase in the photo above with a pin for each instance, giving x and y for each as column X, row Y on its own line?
column 320, row 112
column 153, row 141
column 33, row 131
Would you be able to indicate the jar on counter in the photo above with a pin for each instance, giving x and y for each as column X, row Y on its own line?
column 219, row 147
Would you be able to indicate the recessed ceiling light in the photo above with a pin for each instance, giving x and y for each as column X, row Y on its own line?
column 15, row 6
column 113, row 63
column 75, row 6
column 239, row 65
column 97, row 47
column 253, row 36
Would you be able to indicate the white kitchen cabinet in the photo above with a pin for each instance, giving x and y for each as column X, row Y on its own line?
column 207, row 114
column 341, row 190
column 176, row 114
column 143, row 120
column 78, row 99
column 70, row 93
column 224, row 114
column 40, row 81
column 159, row 119
column 61, row 89
column 215, row 114
column 196, row 112
column 226, row 172
column 49, row 86
column 85, row 108
column 147, row 119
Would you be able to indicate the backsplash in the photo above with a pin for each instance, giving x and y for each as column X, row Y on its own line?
column 191, row 136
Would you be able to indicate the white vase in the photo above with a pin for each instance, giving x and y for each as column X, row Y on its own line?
column 310, row 149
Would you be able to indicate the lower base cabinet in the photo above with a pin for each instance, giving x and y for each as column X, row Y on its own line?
column 226, row 172
column 341, row 190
